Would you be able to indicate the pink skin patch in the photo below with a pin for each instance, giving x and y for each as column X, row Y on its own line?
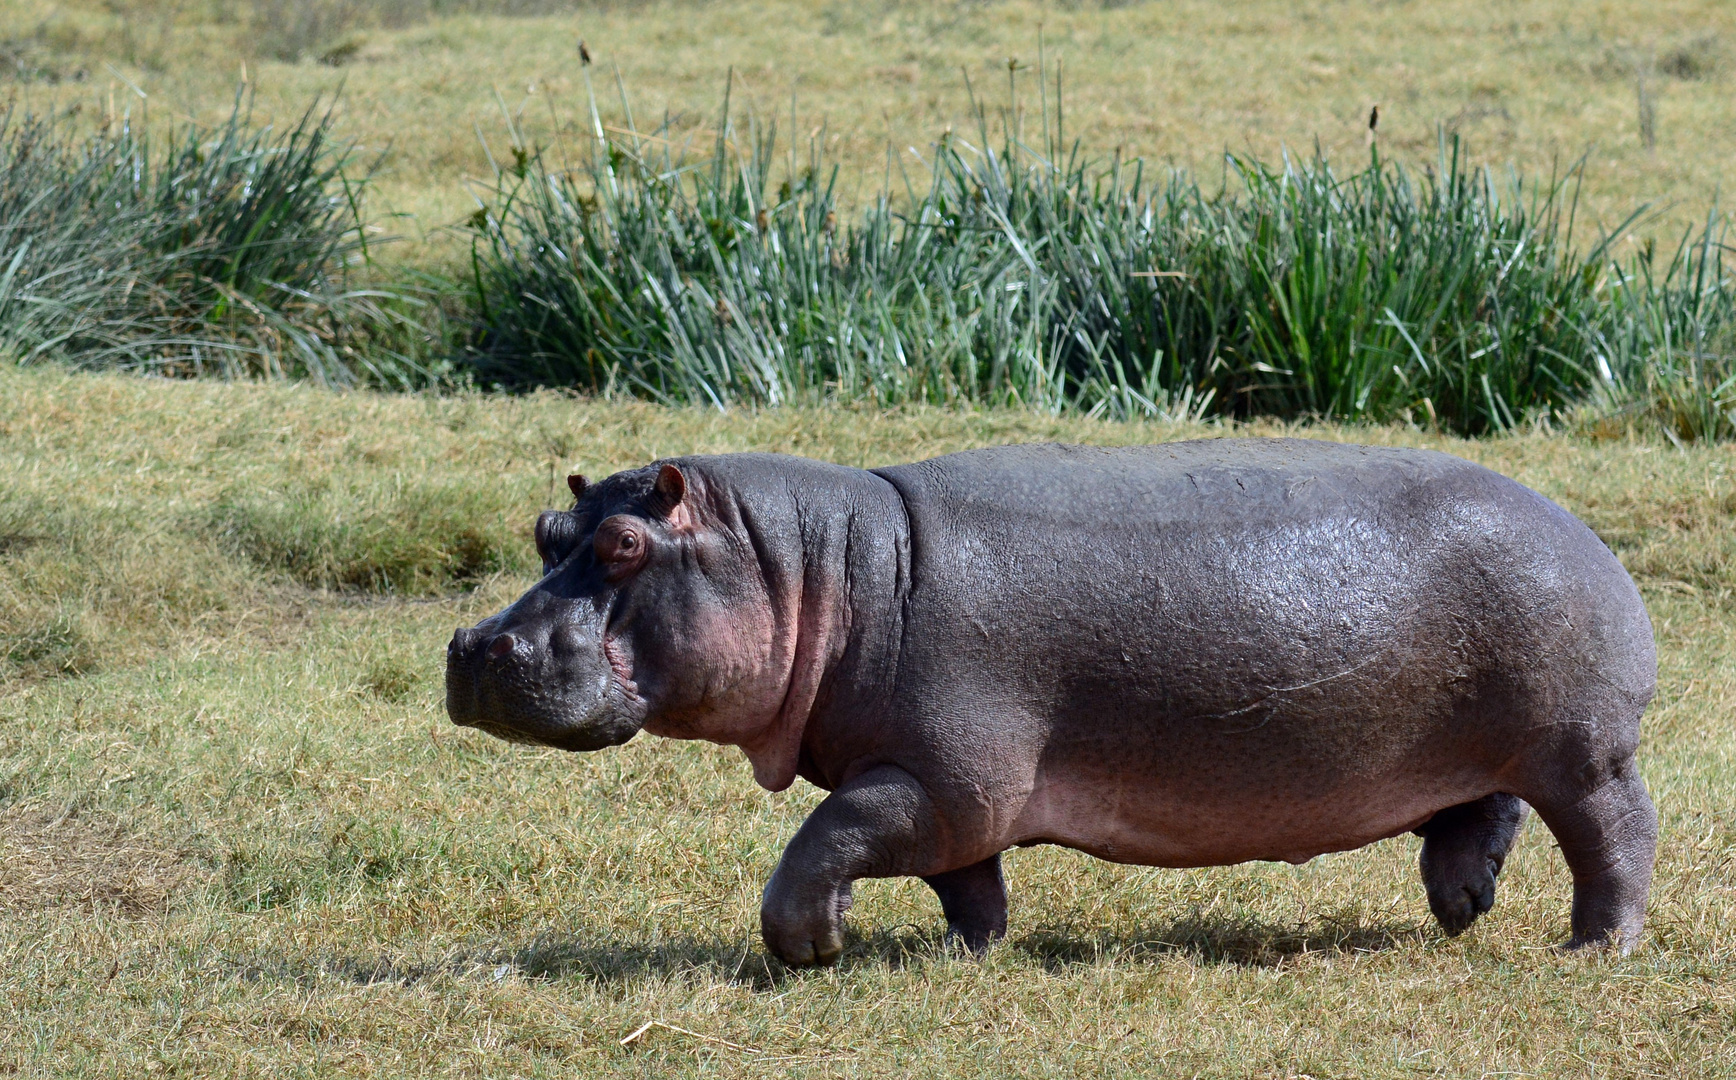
column 681, row 519
column 810, row 634
column 749, row 676
column 750, row 673
column 618, row 664
column 1107, row 816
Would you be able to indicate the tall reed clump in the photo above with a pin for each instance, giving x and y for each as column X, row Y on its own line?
column 1665, row 340
column 225, row 252
column 1034, row 275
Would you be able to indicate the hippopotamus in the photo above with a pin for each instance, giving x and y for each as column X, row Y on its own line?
column 1184, row 654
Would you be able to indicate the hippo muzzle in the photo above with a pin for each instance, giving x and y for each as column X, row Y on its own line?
column 543, row 672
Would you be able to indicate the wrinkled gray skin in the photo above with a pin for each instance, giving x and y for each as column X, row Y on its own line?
column 1189, row 654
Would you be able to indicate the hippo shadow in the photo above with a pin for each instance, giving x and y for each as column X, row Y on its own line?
column 544, row 957
column 1210, row 940
column 1217, row 940
column 743, row 962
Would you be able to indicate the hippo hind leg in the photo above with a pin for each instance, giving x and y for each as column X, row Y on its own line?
column 1464, row 848
column 974, row 900
column 1609, row 837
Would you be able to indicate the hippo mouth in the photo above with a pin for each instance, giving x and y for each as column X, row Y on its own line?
column 620, row 718
column 578, row 741
column 519, row 693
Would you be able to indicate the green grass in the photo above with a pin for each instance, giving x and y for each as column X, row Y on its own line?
column 1034, row 275
column 1021, row 270
column 393, row 534
column 903, row 251
column 240, row 838
column 225, row 251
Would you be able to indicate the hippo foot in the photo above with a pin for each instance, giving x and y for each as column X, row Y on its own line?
column 974, row 900
column 876, row 825
column 804, row 931
column 1458, row 904
column 1618, row 944
column 975, row 938
column 1464, row 849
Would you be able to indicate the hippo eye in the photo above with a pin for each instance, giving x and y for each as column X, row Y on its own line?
column 620, row 544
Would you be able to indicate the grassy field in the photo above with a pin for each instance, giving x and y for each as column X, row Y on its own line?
column 239, row 837
column 1537, row 83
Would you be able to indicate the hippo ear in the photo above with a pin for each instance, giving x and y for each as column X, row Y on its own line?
column 578, row 483
column 670, row 489
column 554, row 537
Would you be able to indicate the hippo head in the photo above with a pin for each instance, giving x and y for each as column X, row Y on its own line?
column 648, row 615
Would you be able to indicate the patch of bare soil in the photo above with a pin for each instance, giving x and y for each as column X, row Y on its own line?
column 55, row 858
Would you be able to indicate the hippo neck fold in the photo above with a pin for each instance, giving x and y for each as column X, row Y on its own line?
column 836, row 570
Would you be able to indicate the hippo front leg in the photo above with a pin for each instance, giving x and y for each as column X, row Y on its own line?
column 881, row 824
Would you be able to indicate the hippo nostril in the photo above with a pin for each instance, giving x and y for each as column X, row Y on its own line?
column 501, row 646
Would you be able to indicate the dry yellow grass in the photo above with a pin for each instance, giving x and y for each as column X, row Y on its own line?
column 1536, row 83
column 238, row 837
column 246, row 842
